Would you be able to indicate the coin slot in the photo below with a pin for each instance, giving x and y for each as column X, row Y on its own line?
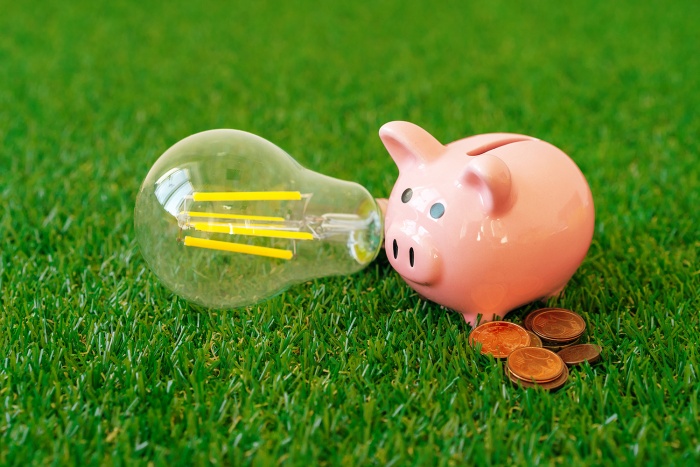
column 410, row 256
column 497, row 144
column 396, row 249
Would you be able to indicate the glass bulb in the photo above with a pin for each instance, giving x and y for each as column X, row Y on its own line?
column 225, row 218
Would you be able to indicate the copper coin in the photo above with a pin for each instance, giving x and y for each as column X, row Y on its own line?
column 550, row 385
column 577, row 354
column 555, row 341
column 527, row 322
column 557, row 347
column 499, row 338
column 534, row 364
column 558, row 342
column 558, row 325
column 534, row 340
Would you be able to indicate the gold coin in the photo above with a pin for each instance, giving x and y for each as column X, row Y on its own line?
column 534, row 340
column 499, row 338
column 558, row 325
column 534, row 364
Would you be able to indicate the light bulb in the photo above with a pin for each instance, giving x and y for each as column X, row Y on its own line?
column 225, row 218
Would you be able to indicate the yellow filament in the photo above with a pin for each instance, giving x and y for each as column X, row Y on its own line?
column 248, row 196
column 238, row 248
column 214, row 215
column 253, row 232
column 242, row 226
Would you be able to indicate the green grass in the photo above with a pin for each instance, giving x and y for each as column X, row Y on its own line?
column 100, row 363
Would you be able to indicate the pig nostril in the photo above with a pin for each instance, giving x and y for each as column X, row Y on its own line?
column 410, row 256
column 396, row 250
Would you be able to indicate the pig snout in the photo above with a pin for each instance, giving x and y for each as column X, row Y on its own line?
column 414, row 256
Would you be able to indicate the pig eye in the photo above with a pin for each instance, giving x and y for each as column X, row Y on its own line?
column 437, row 210
column 406, row 195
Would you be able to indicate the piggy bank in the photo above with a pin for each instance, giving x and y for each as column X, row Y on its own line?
column 487, row 223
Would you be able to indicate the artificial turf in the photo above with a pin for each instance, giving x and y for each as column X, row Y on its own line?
column 99, row 363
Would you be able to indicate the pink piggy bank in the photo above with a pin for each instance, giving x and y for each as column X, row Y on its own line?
column 487, row 223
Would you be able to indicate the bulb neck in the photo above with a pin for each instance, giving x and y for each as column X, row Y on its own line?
column 383, row 203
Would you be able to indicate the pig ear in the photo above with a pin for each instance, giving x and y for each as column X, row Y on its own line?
column 409, row 144
column 490, row 176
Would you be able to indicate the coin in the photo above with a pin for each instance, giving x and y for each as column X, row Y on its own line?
column 499, row 338
column 557, row 347
column 577, row 354
column 558, row 325
column 550, row 385
column 534, row 364
column 527, row 322
column 554, row 342
column 534, row 340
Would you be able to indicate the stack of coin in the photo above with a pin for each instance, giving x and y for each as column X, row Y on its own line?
column 535, row 366
column 557, row 328
column 539, row 353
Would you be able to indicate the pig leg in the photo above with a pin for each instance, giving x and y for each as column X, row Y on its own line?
column 470, row 318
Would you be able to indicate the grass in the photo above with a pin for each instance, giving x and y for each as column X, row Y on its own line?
column 101, row 364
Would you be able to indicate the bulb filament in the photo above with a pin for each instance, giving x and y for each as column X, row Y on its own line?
column 302, row 228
